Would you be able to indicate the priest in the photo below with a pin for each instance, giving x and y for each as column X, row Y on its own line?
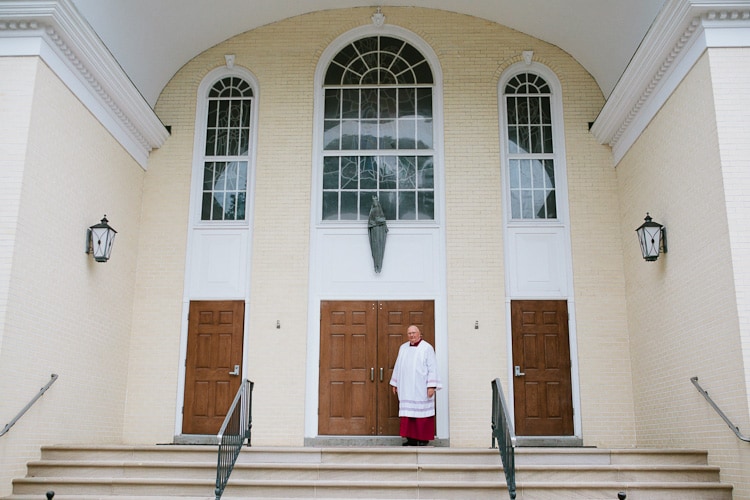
column 415, row 381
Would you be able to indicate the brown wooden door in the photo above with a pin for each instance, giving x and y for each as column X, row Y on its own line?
column 359, row 343
column 348, row 343
column 394, row 318
column 541, row 359
column 214, row 349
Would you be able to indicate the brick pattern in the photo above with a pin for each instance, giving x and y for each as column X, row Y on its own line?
column 473, row 53
column 66, row 314
column 682, row 309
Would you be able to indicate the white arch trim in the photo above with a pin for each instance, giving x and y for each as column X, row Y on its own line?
column 436, row 289
column 560, row 229
column 233, row 231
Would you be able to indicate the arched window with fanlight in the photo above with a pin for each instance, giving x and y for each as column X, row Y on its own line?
column 530, row 148
column 378, row 132
column 227, row 150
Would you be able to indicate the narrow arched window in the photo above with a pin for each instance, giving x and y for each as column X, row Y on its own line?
column 378, row 132
column 530, row 148
column 227, row 150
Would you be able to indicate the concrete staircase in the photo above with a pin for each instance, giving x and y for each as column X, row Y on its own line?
column 188, row 472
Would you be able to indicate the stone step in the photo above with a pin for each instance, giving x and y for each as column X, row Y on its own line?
column 596, row 456
column 619, row 473
column 188, row 472
column 634, row 491
column 278, row 471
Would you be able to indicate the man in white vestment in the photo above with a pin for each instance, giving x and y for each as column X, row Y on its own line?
column 415, row 381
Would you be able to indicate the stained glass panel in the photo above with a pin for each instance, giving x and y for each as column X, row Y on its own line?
column 227, row 144
column 531, row 174
column 378, row 109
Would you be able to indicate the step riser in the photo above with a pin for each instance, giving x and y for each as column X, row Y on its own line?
column 372, row 473
column 289, row 473
column 603, row 457
column 627, row 476
column 611, row 493
column 559, row 492
column 120, row 472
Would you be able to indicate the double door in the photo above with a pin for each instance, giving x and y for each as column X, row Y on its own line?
column 359, row 342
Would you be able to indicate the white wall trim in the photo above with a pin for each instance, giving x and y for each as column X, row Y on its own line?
column 195, row 224
column 438, row 291
column 561, row 224
column 54, row 31
column 681, row 33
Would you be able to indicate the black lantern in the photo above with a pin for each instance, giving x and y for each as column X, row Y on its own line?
column 653, row 238
column 99, row 240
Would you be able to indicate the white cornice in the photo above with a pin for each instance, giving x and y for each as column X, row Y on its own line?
column 55, row 31
column 682, row 31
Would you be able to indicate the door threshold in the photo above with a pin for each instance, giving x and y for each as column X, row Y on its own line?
column 549, row 441
column 364, row 441
column 209, row 439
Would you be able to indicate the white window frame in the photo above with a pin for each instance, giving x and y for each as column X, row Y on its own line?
column 558, row 143
column 437, row 106
column 559, row 226
column 199, row 154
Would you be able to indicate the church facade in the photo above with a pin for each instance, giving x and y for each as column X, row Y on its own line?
column 511, row 190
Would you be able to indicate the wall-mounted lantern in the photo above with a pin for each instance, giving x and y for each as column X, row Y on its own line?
column 653, row 239
column 99, row 240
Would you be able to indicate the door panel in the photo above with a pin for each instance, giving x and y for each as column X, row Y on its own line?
column 347, row 354
column 541, row 353
column 214, row 348
column 394, row 318
column 359, row 342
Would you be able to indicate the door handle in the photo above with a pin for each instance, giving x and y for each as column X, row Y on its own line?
column 372, row 374
column 517, row 371
column 236, row 371
column 381, row 374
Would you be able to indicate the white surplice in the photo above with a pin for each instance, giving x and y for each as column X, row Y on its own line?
column 415, row 370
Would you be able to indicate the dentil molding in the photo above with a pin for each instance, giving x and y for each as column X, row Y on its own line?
column 681, row 33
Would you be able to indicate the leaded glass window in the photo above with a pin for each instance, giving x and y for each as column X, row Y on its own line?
column 227, row 148
column 531, row 164
column 378, row 132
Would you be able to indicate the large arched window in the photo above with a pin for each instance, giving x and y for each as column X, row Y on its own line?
column 530, row 148
column 226, row 150
column 378, row 137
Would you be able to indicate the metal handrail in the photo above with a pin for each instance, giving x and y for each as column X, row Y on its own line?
column 734, row 428
column 235, row 429
column 504, row 435
column 29, row 405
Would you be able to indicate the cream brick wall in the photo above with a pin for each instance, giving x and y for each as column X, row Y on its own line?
column 283, row 56
column 682, row 308
column 730, row 72
column 16, row 95
column 66, row 314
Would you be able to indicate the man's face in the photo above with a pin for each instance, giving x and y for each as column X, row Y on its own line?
column 414, row 334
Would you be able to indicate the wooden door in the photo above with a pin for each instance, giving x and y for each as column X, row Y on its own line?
column 348, row 343
column 394, row 318
column 359, row 343
column 213, row 363
column 541, row 359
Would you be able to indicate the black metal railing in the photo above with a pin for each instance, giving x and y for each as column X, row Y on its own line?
column 29, row 404
column 723, row 415
column 503, row 436
column 233, row 433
